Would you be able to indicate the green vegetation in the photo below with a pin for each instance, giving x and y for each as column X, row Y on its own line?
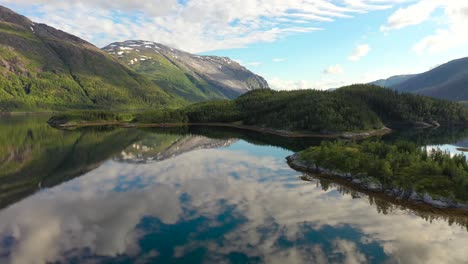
column 402, row 165
column 171, row 77
column 192, row 77
column 395, row 107
column 89, row 116
column 354, row 108
column 161, row 116
column 46, row 69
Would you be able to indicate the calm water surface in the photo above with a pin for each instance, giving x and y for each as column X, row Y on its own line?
column 195, row 196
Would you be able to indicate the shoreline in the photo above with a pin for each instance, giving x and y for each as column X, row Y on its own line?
column 277, row 132
column 394, row 195
column 2, row 114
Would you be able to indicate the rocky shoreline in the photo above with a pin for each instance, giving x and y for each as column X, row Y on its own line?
column 371, row 185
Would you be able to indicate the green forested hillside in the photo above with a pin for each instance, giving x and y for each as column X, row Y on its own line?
column 352, row 108
column 357, row 107
column 306, row 110
column 172, row 79
column 403, row 108
column 42, row 68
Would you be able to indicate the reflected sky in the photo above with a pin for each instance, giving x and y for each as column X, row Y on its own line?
column 457, row 148
column 240, row 203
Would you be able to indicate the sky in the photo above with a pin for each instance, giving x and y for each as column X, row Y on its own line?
column 294, row 44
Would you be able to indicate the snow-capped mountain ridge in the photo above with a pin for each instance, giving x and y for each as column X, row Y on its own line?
column 213, row 77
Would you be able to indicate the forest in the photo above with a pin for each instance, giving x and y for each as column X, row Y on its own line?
column 401, row 165
column 352, row 108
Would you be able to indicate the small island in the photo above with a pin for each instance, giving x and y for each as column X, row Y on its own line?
column 402, row 170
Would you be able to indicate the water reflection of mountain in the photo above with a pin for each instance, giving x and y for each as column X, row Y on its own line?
column 422, row 137
column 35, row 156
column 157, row 147
column 226, row 133
column 462, row 143
column 229, row 205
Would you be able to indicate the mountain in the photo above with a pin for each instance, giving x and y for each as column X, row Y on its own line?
column 392, row 81
column 42, row 68
column 447, row 81
column 193, row 77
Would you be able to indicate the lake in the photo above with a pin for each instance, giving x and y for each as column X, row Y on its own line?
column 199, row 195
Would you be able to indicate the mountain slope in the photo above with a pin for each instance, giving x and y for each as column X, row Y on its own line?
column 193, row 77
column 392, row 81
column 448, row 81
column 42, row 68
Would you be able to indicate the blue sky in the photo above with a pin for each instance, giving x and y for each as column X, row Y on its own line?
column 293, row 43
column 307, row 56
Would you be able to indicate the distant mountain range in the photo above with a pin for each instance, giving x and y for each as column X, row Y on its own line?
column 193, row 77
column 392, row 81
column 448, row 81
column 42, row 68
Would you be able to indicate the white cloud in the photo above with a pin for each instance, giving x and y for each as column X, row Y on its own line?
column 412, row 15
column 279, row 60
column 280, row 84
column 359, row 52
column 195, row 25
column 454, row 35
column 350, row 251
column 322, row 84
column 333, row 69
column 451, row 34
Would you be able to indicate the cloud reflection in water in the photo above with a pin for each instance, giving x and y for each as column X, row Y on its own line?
column 239, row 203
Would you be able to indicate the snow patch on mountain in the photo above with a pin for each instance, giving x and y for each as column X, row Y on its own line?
column 221, row 72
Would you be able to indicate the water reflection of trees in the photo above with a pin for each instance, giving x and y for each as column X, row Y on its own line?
column 35, row 156
column 418, row 136
column 256, row 138
column 386, row 206
column 434, row 136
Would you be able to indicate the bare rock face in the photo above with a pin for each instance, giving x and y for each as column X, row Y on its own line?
column 220, row 74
